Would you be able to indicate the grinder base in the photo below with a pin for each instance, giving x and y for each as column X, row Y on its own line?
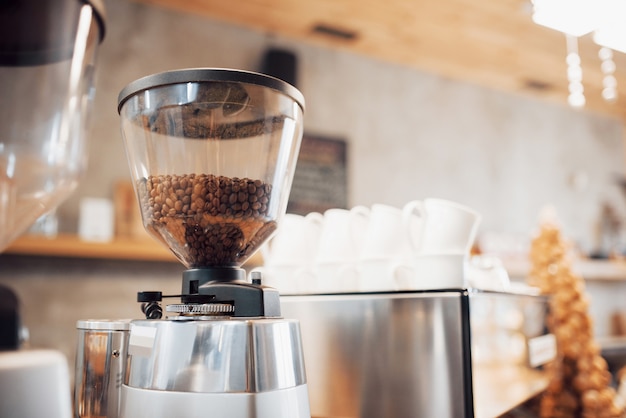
column 285, row 403
column 220, row 290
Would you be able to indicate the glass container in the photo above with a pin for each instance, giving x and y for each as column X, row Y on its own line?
column 47, row 62
column 212, row 154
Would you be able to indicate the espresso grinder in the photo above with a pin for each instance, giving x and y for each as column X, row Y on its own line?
column 212, row 154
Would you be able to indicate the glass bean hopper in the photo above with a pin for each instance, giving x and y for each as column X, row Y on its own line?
column 212, row 153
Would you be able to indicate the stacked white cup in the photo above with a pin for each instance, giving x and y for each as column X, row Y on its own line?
column 388, row 240
column 338, row 249
column 443, row 247
column 423, row 245
column 289, row 256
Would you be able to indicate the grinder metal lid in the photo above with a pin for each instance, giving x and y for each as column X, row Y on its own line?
column 199, row 75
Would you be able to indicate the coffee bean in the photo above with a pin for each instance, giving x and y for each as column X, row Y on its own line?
column 207, row 220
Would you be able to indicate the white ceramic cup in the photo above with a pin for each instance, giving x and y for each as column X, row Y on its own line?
column 487, row 272
column 432, row 271
column 389, row 232
column 448, row 227
column 382, row 275
column 295, row 241
column 337, row 277
column 96, row 221
column 342, row 233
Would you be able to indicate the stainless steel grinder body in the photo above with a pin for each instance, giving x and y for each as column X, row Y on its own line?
column 223, row 367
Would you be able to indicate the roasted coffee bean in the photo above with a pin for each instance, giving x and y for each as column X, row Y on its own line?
column 207, row 220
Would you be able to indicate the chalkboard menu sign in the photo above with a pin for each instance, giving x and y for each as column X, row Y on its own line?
column 320, row 181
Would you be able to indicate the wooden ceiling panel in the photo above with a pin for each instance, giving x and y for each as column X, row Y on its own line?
column 493, row 43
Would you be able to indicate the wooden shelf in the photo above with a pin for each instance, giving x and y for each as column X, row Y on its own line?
column 600, row 270
column 72, row 246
